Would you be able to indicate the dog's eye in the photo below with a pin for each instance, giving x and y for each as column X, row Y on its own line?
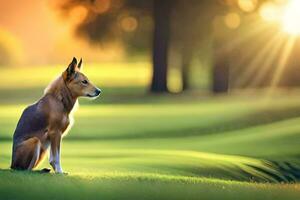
column 84, row 82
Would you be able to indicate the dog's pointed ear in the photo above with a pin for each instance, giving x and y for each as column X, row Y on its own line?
column 79, row 66
column 71, row 69
column 72, row 66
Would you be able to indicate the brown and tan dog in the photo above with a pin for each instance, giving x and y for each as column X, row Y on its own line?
column 44, row 123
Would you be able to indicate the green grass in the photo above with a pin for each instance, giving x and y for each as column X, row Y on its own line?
column 136, row 186
column 130, row 145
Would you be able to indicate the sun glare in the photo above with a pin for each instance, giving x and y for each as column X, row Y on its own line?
column 270, row 12
column 291, row 18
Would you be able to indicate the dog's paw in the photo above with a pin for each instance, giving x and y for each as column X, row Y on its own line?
column 45, row 170
column 62, row 173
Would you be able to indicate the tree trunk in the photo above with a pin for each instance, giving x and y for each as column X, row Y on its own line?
column 185, row 69
column 161, row 37
column 220, row 72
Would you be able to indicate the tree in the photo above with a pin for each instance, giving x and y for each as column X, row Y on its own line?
column 103, row 25
column 193, row 33
column 161, row 38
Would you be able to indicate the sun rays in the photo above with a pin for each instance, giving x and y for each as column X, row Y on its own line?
column 286, row 51
column 264, row 47
column 255, row 65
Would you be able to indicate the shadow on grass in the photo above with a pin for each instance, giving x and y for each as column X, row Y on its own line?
column 282, row 172
column 269, row 172
column 42, row 171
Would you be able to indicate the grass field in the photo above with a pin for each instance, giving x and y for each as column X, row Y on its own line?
column 130, row 145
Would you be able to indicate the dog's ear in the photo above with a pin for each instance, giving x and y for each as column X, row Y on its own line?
column 70, row 70
column 72, row 66
column 79, row 66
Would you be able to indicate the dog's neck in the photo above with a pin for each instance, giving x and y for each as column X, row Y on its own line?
column 60, row 91
column 67, row 98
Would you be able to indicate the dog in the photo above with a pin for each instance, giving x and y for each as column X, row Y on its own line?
column 43, row 124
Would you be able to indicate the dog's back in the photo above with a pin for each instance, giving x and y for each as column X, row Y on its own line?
column 32, row 123
column 32, row 120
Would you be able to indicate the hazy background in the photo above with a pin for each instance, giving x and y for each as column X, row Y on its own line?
column 200, row 97
column 33, row 32
column 212, row 45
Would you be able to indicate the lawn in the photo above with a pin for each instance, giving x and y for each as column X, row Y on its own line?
column 132, row 145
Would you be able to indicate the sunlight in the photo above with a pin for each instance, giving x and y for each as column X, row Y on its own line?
column 256, row 63
column 266, row 64
column 286, row 16
column 282, row 62
column 291, row 16
column 247, row 35
column 270, row 12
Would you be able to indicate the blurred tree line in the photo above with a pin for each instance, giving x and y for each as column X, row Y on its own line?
column 188, row 27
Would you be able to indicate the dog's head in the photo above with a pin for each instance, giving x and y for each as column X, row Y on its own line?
column 77, row 82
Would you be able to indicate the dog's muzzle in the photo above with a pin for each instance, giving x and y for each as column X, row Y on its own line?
column 96, row 93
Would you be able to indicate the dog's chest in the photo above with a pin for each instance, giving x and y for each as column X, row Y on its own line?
column 65, row 122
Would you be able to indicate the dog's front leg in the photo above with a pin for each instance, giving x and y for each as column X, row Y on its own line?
column 55, row 139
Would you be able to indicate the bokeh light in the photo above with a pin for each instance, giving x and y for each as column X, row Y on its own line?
column 101, row 6
column 232, row 20
column 129, row 24
column 78, row 14
column 247, row 5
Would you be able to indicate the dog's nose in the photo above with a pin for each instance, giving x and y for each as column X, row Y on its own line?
column 97, row 92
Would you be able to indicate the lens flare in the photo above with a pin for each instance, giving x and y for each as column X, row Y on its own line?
column 270, row 12
column 291, row 18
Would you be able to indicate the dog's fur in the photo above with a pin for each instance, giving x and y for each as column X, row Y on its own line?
column 44, row 123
